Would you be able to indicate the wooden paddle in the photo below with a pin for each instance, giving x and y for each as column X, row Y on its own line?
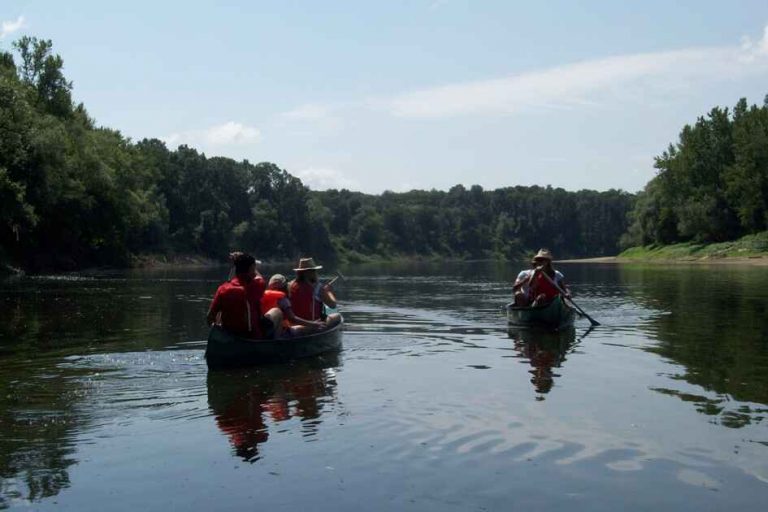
column 576, row 306
column 319, row 286
column 339, row 275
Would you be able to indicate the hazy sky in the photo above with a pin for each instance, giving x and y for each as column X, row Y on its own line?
column 410, row 94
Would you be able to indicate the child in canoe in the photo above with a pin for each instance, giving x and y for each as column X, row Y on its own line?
column 276, row 296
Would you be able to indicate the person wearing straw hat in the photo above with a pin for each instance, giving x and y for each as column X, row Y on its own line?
column 308, row 295
column 236, row 306
column 532, row 288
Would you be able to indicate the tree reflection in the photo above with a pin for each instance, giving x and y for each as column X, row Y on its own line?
column 38, row 421
column 245, row 401
column 544, row 350
column 713, row 322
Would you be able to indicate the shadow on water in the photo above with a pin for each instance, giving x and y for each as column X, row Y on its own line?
column 244, row 402
column 544, row 351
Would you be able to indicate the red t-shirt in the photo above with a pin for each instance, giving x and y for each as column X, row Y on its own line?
column 239, row 303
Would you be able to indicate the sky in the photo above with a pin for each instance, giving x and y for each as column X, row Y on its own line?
column 396, row 95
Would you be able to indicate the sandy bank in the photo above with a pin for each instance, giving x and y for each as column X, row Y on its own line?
column 756, row 261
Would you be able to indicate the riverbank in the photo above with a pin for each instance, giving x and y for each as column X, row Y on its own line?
column 172, row 260
column 756, row 261
column 7, row 270
column 748, row 250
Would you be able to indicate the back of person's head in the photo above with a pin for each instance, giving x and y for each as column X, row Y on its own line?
column 242, row 261
column 278, row 282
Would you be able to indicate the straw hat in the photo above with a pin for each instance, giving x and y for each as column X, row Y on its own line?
column 307, row 264
column 543, row 254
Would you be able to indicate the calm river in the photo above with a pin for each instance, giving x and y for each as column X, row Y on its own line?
column 106, row 402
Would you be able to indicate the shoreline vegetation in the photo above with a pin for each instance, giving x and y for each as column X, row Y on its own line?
column 747, row 250
column 75, row 195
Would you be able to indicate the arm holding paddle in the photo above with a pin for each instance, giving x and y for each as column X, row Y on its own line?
column 568, row 296
column 324, row 292
column 325, row 295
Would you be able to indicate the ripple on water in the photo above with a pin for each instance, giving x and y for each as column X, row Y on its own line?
column 129, row 386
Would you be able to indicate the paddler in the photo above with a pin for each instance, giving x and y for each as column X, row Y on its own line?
column 539, row 285
column 308, row 295
column 236, row 306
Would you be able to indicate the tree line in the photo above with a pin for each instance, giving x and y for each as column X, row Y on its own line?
column 712, row 185
column 74, row 194
column 474, row 223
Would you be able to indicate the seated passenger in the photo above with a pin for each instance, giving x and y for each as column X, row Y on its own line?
column 308, row 295
column 276, row 296
column 236, row 306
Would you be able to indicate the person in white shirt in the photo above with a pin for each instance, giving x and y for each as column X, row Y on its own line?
column 531, row 287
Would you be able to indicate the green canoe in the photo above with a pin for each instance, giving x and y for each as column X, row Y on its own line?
column 555, row 315
column 225, row 350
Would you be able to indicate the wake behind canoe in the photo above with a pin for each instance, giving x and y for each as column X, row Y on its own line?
column 226, row 350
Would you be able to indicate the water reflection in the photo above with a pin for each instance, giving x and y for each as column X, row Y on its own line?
column 544, row 351
column 38, row 423
column 244, row 402
column 715, row 326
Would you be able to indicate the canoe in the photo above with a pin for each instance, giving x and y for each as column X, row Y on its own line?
column 226, row 350
column 554, row 315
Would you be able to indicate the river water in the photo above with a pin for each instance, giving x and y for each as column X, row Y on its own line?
column 106, row 402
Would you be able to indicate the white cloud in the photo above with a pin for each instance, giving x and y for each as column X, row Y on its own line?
column 755, row 50
column 230, row 133
column 308, row 112
column 583, row 83
column 437, row 4
column 313, row 118
column 639, row 78
column 9, row 27
column 323, row 178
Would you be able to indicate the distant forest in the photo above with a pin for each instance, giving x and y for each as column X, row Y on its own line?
column 73, row 195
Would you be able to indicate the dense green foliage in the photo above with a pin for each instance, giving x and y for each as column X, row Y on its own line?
column 73, row 194
column 473, row 223
column 712, row 185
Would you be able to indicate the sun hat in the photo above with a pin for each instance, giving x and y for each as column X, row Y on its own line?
column 543, row 254
column 307, row 264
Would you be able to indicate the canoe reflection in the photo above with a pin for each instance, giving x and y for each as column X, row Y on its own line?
column 244, row 401
column 544, row 351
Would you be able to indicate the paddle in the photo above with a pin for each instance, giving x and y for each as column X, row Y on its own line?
column 339, row 275
column 581, row 311
column 319, row 286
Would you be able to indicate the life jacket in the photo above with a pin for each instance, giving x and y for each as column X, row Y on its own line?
column 303, row 301
column 270, row 299
column 542, row 285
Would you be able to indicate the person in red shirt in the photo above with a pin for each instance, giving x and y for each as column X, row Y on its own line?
column 308, row 296
column 236, row 306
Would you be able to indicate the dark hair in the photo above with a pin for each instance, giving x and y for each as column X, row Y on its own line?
column 242, row 261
